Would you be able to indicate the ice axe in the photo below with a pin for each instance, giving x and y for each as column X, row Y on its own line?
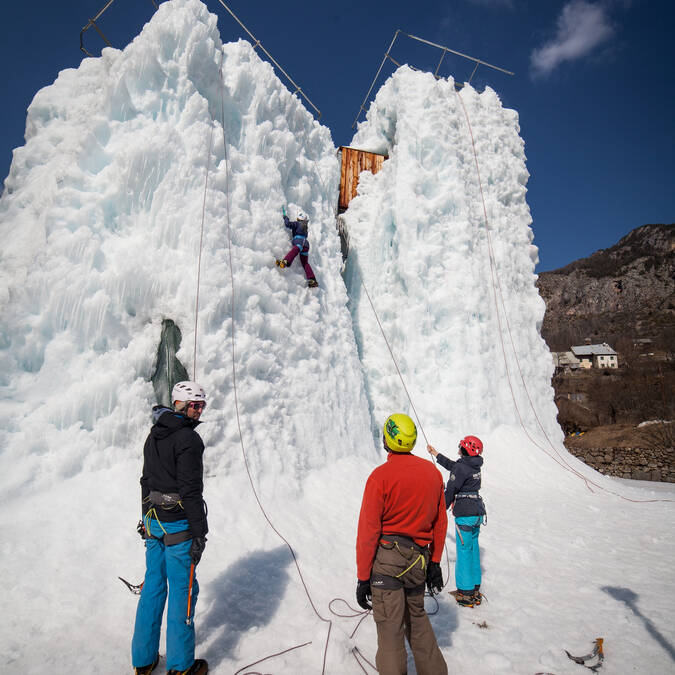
column 188, row 618
column 134, row 588
column 597, row 651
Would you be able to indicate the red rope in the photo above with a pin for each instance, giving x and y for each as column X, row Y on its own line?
column 496, row 287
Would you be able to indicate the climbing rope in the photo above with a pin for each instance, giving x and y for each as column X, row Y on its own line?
column 236, row 398
column 496, row 285
column 393, row 358
column 498, row 297
column 379, row 323
column 256, row 44
column 201, row 246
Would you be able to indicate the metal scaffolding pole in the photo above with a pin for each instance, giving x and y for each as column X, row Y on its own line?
column 387, row 55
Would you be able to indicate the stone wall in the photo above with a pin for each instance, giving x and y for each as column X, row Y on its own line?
column 636, row 463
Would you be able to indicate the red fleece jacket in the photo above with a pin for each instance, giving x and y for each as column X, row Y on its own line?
column 402, row 496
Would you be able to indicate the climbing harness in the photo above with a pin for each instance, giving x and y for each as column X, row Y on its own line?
column 168, row 538
column 419, row 558
column 409, row 545
column 164, row 499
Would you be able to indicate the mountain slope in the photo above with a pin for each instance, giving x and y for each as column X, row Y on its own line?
column 625, row 291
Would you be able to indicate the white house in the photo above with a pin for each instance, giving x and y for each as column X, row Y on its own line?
column 596, row 356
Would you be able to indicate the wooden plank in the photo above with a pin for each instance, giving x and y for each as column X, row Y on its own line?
column 354, row 161
column 343, row 201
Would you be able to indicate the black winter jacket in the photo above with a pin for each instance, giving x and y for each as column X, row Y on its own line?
column 172, row 462
column 464, row 478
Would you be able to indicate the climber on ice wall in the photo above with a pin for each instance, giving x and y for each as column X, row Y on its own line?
column 299, row 229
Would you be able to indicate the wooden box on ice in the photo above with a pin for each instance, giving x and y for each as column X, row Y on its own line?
column 353, row 163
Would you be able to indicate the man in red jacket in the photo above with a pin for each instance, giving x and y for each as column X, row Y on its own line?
column 398, row 549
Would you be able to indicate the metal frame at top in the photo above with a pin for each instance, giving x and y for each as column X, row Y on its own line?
column 387, row 55
column 256, row 43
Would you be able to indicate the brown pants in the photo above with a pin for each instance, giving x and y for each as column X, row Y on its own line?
column 399, row 612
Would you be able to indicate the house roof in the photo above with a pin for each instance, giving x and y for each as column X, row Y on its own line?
column 593, row 350
column 564, row 359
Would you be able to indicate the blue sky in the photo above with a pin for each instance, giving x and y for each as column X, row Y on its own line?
column 594, row 86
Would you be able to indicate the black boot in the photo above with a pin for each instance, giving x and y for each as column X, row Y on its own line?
column 312, row 283
column 199, row 667
column 146, row 670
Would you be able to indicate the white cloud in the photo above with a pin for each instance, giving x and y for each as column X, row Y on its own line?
column 581, row 27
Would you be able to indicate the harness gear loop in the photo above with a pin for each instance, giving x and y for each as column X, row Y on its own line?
column 459, row 534
column 168, row 538
column 419, row 557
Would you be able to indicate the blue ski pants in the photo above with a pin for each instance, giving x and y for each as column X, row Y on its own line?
column 467, row 567
column 165, row 564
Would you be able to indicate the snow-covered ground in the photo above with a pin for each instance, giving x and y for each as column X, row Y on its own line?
column 125, row 159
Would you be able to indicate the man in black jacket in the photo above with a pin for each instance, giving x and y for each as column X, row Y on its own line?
column 174, row 528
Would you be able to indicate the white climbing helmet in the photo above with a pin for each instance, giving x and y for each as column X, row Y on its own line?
column 188, row 391
column 302, row 216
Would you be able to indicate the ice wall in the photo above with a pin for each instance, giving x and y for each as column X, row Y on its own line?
column 101, row 225
column 419, row 243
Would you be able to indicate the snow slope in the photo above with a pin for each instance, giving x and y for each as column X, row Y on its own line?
column 102, row 225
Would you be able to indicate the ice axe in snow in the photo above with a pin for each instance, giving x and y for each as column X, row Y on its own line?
column 597, row 651
column 283, row 210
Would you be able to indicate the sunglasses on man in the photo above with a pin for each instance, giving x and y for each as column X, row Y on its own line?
column 197, row 406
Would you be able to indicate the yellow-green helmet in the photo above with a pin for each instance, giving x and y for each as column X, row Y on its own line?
column 399, row 433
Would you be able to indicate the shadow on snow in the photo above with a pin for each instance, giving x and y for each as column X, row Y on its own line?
column 629, row 598
column 246, row 595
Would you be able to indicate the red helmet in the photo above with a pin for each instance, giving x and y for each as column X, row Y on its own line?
column 472, row 444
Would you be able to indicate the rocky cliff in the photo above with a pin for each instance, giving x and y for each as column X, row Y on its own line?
column 620, row 295
column 623, row 292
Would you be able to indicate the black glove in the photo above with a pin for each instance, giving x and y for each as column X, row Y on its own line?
column 434, row 578
column 197, row 548
column 363, row 594
column 140, row 528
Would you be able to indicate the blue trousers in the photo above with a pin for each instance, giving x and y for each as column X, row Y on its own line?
column 162, row 564
column 467, row 567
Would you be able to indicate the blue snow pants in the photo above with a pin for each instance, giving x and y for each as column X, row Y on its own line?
column 467, row 567
column 162, row 564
